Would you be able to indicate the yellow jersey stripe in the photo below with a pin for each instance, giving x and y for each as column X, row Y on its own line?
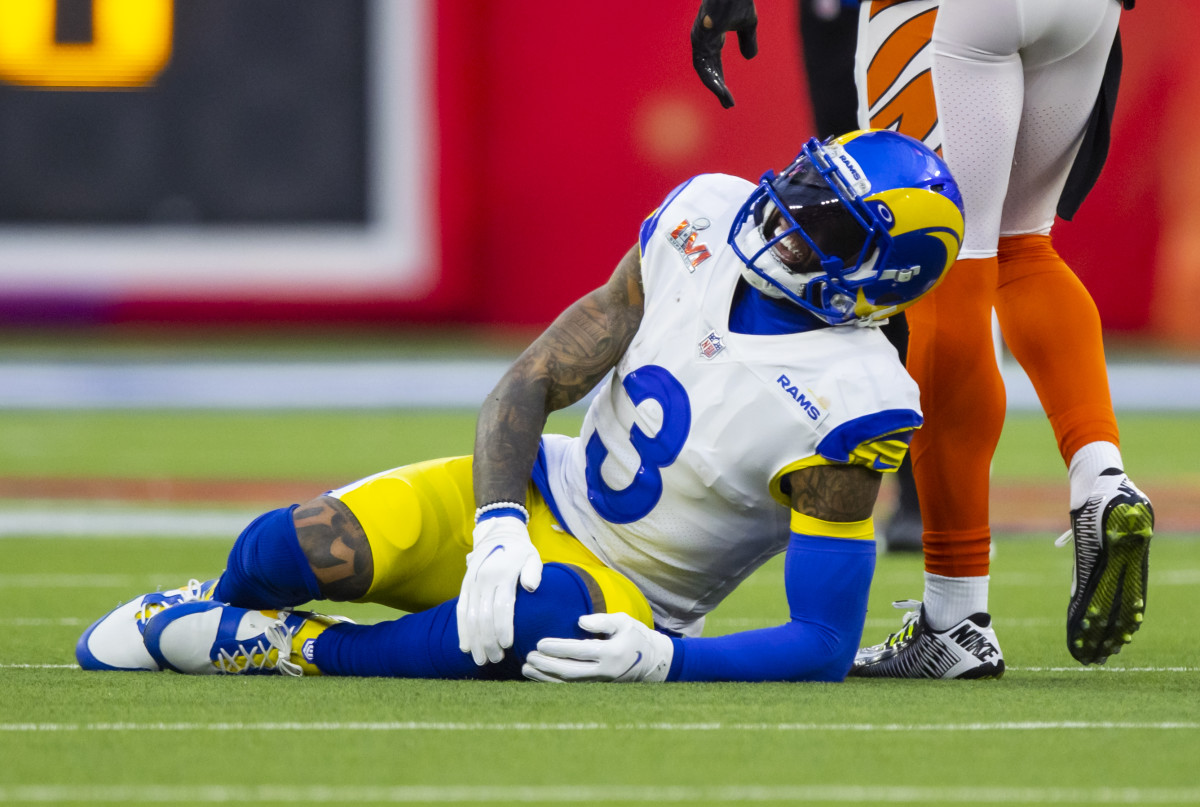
column 808, row 525
column 883, row 454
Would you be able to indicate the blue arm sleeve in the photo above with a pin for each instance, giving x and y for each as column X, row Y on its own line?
column 827, row 582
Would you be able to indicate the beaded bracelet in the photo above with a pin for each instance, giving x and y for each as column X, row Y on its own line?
column 496, row 509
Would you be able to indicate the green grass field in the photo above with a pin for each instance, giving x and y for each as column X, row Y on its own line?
column 1048, row 732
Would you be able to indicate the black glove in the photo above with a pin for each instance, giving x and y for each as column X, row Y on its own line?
column 715, row 19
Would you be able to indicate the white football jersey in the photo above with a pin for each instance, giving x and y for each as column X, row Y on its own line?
column 674, row 479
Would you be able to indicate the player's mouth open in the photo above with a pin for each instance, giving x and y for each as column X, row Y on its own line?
column 792, row 249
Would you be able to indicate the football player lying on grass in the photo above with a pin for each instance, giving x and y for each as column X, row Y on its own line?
column 747, row 406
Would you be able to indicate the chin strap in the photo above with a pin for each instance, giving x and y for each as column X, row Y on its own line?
column 762, row 284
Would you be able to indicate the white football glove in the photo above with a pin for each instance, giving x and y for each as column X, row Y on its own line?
column 503, row 555
column 631, row 652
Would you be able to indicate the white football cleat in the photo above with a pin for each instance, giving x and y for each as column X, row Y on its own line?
column 114, row 642
column 209, row 638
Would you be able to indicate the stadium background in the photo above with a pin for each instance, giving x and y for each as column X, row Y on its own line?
column 473, row 162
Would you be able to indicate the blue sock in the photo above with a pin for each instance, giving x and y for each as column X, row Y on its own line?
column 266, row 567
column 425, row 645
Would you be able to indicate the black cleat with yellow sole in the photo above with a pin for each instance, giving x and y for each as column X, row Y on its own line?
column 1112, row 532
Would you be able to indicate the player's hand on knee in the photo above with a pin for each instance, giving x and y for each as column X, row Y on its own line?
column 629, row 652
column 715, row 19
column 503, row 557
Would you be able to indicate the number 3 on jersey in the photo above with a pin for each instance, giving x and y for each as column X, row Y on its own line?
column 637, row 499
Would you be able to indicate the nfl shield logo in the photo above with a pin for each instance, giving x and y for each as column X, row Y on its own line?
column 711, row 345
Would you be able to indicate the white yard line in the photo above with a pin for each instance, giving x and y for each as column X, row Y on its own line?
column 1099, row 669
column 106, row 522
column 135, row 583
column 893, row 623
column 521, row 727
column 1077, row 669
column 595, row 794
column 41, row 622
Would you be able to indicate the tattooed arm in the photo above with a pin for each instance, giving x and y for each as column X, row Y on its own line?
column 558, row 369
column 827, row 575
column 837, row 493
column 565, row 362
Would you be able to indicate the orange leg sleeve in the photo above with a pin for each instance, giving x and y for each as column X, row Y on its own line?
column 952, row 358
column 1051, row 325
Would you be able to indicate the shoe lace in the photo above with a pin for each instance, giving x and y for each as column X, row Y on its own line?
column 270, row 652
column 190, row 592
column 907, row 623
column 1065, row 538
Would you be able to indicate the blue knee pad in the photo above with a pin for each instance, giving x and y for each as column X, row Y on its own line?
column 266, row 567
column 551, row 611
column 425, row 645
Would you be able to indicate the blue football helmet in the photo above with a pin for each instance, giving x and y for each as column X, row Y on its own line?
column 856, row 229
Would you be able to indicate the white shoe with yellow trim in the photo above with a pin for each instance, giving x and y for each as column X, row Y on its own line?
column 114, row 641
column 210, row 638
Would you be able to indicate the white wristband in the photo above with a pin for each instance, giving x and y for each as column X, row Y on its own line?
column 494, row 506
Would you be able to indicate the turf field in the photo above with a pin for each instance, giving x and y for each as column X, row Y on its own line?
column 1048, row 732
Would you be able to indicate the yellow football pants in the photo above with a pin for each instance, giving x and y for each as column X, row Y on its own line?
column 418, row 520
